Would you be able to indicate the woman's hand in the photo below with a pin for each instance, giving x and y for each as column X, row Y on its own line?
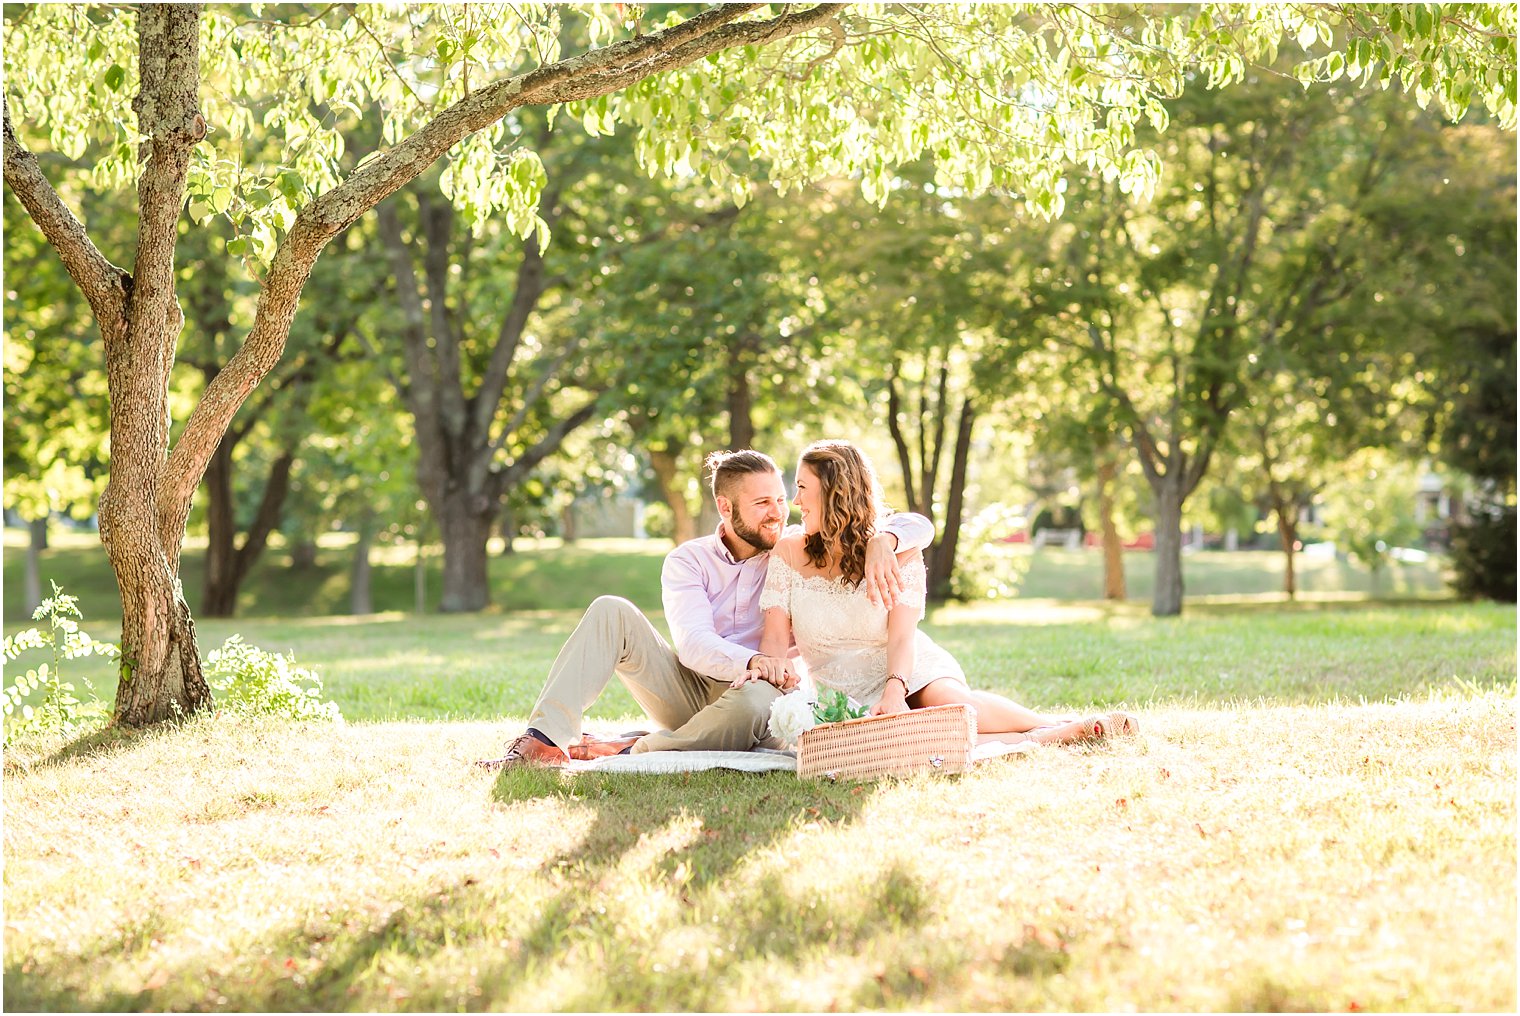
column 893, row 700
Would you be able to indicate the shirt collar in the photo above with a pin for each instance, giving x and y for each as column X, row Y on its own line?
column 727, row 555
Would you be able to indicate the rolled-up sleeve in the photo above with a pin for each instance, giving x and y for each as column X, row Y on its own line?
column 913, row 532
column 693, row 628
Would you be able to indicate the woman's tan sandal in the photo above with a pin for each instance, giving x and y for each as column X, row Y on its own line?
column 1125, row 724
column 1098, row 727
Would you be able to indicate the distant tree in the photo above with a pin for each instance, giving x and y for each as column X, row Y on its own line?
column 1250, row 261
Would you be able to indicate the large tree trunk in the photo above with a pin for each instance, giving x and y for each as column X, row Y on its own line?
column 1113, row 548
column 1287, row 533
column 360, row 598
column 303, row 554
column 1167, row 598
column 508, row 530
column 219, row 596
column 741, row 423
column 667, row 479
column 227, row 563
column 145, row 503
column 465, row 526
column 38, row 528
column 942, row 560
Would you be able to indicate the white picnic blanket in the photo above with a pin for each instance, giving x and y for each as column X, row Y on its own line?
column 760, row 760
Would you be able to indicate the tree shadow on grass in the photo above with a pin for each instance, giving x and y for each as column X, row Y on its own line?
column 726, row 818
column 26, row 992
column 105, row 741
column 657, row 907
column 736, row 814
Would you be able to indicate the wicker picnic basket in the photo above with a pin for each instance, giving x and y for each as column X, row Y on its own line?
column 937, row 739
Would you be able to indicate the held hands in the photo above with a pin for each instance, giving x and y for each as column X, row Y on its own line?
column 883, row 576
column 774, row 670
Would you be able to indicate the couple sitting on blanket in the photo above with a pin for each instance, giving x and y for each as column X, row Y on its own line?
column 849, row 585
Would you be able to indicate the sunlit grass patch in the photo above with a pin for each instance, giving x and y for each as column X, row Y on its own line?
column 1309, row 856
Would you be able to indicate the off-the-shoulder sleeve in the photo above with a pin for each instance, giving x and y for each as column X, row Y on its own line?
column 778, row 585
column 915, row 580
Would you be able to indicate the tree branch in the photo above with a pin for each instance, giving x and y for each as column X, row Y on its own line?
column 421, row 371
column 525, row 463
column 531, row 285
column 900, row 442
column 436, row 223
column 276, row 488
column 531, row 397
column 585, row 76
column 103, row 284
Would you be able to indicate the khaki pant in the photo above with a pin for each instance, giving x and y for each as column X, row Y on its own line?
column 697, row 713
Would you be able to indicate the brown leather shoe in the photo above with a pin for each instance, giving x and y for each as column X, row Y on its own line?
column 595, row 747
column 526, row 750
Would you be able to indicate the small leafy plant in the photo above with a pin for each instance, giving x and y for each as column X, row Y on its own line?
column 60, row 711
column 253, row 682
column 833, row 706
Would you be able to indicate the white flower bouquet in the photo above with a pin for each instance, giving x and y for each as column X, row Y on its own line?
column 792, row 715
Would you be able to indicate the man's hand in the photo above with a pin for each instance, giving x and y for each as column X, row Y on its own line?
column 776, row 670
column 883, row 575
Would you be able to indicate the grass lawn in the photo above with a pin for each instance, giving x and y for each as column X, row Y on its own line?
column 1318, row 814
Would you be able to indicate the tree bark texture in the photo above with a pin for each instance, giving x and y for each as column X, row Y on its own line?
column 34, row 548
column 667, row 478
column 142, row 519
column 227, row 561
column 146, row 504
column 361, row 596
column 741, row 422
column 1166, row 600
column 942, row 566
column 465, row 524
column 508, row 530
column 1113, row 548
column 1287, row 533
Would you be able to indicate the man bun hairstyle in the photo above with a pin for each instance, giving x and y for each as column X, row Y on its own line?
column 725, row 469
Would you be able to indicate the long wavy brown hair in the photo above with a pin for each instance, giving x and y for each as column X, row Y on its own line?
column 850, row 504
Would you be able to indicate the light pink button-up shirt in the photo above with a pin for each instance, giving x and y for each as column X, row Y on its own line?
column 712, row 599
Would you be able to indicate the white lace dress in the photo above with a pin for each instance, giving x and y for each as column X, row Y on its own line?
column 843, row 635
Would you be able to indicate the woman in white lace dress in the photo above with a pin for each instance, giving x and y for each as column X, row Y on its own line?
column 813, row 592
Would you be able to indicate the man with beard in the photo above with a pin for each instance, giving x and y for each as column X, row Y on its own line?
column 711, row 592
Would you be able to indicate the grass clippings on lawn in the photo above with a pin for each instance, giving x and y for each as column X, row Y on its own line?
column 1328, row 857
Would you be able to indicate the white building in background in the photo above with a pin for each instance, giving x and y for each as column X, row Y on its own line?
column 592, row 517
